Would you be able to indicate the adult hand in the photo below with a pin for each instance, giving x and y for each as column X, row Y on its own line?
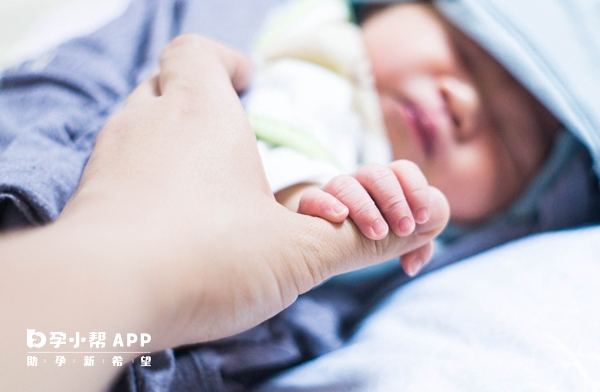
column 173, row 230
column 179, row 168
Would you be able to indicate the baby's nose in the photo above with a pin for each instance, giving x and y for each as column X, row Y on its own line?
column 463, row 104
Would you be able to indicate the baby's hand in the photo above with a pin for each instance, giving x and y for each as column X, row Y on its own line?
column 377, row 198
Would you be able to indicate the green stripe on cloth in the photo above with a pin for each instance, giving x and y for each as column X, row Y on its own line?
column 277, row 134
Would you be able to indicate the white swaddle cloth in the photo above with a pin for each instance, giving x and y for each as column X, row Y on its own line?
column 313, row 104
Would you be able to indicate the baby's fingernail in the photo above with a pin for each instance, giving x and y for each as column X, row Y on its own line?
column 339, row 208
column 379, row 227
column 422, row 215
column 405, row 225
column 415, row 267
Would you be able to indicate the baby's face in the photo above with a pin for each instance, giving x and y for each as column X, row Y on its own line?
column 476, row 133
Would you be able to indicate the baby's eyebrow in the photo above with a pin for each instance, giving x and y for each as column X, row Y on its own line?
column 464, row 49
column 472, row 56
column 464, row 57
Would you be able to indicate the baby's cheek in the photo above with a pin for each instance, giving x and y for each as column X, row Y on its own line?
column 471, row 183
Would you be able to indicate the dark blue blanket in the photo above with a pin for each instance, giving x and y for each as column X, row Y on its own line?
column 50, row 115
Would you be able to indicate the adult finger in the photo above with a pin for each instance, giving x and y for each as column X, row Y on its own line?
column 147, row 90
column 190, row 61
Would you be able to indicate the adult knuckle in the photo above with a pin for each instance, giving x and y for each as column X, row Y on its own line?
column 185, row 40
column 185, row 43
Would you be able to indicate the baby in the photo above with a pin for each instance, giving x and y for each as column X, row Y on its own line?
column 453, row 116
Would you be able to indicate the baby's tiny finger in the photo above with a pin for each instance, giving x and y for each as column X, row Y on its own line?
column 384, row 187
column 362, row 209
column 315, row 202
column 415, row 187
column 412, row 262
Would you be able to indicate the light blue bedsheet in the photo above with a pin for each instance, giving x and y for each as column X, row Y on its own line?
column 523, row 317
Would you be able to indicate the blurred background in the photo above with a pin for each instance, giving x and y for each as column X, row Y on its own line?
column 17, row 17
column 39, row 25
